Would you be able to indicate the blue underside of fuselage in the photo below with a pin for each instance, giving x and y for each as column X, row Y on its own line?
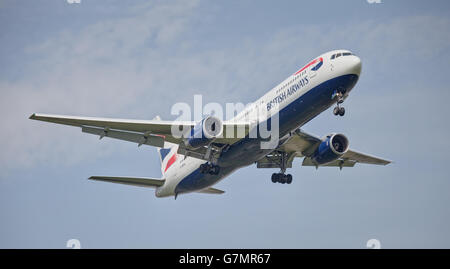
column 291, row 117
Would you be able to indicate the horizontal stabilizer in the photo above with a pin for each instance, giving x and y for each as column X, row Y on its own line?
column 212, row 191
column 135, row 181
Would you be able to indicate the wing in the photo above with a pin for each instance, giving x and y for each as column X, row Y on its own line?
column 302, row 144
column 148, row 132
column 364, row 158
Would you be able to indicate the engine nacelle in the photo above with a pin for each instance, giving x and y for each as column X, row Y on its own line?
column 204, row 132
column 331, row 148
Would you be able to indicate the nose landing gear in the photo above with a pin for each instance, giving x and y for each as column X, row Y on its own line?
column 338, row 110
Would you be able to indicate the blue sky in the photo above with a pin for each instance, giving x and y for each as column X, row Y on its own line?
column 136, row 59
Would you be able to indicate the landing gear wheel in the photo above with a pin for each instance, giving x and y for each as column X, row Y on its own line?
column 281, row 178
column 203, row 168
column 341, row 111
column 208, row 168
column 214, row 170
column 288, row 178
column 274, row 178
column 336, row 111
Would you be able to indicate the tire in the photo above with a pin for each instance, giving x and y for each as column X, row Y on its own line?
column 202, row 168
column 215, row 170
column 289, row 179
column 341, row 111
column 282, row 179
column 336, row 111
column 212, row 170
column 274, row 178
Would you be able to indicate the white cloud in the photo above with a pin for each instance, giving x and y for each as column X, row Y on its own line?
column 91, row 71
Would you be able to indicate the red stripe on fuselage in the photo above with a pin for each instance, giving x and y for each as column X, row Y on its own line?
column 171, row 161
column 308, row 65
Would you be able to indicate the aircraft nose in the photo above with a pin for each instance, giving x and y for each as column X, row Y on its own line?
column 355, row 65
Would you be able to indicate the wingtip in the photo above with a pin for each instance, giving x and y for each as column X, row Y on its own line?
column 33, row 116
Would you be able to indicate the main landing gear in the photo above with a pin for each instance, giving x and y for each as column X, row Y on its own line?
column 282, row 177
column 338, row 110
column 209, row 168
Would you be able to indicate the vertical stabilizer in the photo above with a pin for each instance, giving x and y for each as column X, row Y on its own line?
column 167, row 155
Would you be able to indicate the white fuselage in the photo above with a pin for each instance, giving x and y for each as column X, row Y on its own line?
column 317, row 72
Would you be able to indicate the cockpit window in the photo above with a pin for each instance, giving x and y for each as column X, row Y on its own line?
column 334, row 56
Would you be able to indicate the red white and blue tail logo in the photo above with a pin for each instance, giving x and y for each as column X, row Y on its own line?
column 168, row 157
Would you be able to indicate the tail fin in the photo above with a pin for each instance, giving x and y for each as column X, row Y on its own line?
column 167, row 155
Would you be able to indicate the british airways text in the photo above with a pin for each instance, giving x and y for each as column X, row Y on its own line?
column 288, row 92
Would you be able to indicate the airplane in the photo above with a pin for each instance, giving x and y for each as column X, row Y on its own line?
column 207, row 152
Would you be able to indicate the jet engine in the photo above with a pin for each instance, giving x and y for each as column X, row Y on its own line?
column 330, row 149
column 204, row 132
